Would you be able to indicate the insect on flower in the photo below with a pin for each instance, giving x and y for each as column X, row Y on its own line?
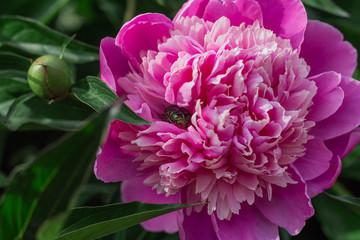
column 179, row 116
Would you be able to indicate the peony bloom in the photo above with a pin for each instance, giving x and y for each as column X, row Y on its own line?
column 253, row 107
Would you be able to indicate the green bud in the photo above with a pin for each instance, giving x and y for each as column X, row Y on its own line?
column 49, row 77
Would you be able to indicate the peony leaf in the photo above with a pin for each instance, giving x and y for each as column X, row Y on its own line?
column 327, row 6
column 95, row 93
column 338, row 220
column 352, row 201
column 13, row 65
column 87, row 223
column 45, row 187
column 27, row 36
column 43, row 10
column 65, row 114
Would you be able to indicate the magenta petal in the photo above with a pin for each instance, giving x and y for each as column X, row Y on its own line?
column 141, row 34
column 326, row 180
column 328, row 98
column 344, row 144
column 249, row 224
column 196, row 226
column 287, row 18
column 135, row 190
column 111, row 58
column 237, row 11
column 289, row 206
column 112, row 164
column 316, row 160
column 346, row 118
column 324, row 49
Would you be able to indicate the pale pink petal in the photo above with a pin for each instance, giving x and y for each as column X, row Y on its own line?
column 316, row 160
column 196, row 226
column 237, row 11
column 249, row 224
column 346, row 118
column 111, row 58
column 326, row 180
column 113, row 164
column 135, row 190
column 329, row 96
column 141, row 34
column 324, row 49
column 289, row 207
column 287, row 18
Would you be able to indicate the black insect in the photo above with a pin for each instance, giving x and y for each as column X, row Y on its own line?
column 179, row 116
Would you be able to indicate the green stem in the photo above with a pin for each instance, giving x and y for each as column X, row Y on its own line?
column 66, row 43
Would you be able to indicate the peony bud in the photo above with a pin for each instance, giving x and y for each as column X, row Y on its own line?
column 49, row 77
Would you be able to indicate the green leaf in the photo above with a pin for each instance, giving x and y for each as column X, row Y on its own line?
column 327, row 6
column 95, row 93
column 18, row 101
column 64, row 114
column 43, row 10
column 338, row 220
column 46, row 186
column 3, row 180
column 13, row 65
column 352, row 201
column 32, row 37
column 89, row 223
column 51, row 227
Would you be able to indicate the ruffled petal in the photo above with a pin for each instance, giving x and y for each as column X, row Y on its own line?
column 328, row 98
column 287, row 18
column 135, row 190
column 111, row 58
column 316, row 160
column 324, row 49
column 196, row 226
column 237, row 11
column 249, row 224
column 112, row 163
column 346, row 118
column 326, row 180
column 289, row 206
column 141, row 34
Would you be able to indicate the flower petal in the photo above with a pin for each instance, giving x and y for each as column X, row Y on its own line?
column 111, row 58
column 346, row 118
column 287, row 18
column 237, row 11
column 289, row 207
column 113, row 164
column 326, row 180
column 196, row 226
column 141, row 34
column 135, row 190
column 328, row 98
column 249, row 224
column 344, row 144
column 324, row 49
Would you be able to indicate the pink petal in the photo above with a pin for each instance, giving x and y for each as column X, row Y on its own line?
column 344, row 144
column 328, row 98
column 249, row 224
column 111, row 58
column 237, row 11
column 196, row 226
column 287, row 18
column 113, row 164
column 326, row 180
column 289, row 206
column 141, row 34
column 316, row 160
column 346, row 118
column 324, row 49
column 135, row 190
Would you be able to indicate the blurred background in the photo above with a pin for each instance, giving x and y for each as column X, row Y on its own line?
column 93, row 20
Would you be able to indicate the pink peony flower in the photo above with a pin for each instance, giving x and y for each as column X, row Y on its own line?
column 253, row 107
